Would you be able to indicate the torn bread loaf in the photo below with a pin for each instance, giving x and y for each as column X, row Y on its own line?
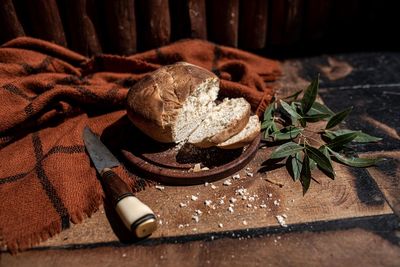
column 244, row 137
column 169, row 104
column 224, row 121
column 176, row 103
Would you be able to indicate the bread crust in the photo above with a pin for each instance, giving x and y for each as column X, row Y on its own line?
column 153, row 103
column 243, row 142
column 234, row 128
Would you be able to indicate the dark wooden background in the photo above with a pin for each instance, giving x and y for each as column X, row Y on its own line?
column 274, row 28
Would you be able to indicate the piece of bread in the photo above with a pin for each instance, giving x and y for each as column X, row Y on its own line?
column 169, row 104
column 244, row 137
column 224, row 121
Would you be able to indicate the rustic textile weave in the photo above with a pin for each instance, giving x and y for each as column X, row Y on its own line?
column 49, row 93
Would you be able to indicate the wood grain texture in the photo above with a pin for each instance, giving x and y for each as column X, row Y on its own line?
column 334, row 248
column 198, row 19
column 41, row 19
column 188, row 19
column 253, row 24
column 120, row 26
column 153, row 23
column 223, row 22
column 387, row 175
column 286, row 22
column 352, row 196
column 9, row 23
column 81, row 31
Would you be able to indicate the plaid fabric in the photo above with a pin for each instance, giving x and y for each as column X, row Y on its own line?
column 49, row 93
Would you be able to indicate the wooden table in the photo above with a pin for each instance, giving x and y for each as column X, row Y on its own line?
column 352, row 220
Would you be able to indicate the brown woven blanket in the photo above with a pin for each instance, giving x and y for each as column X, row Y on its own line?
column 49, row 93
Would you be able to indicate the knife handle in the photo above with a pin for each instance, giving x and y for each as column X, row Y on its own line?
column 135, row 215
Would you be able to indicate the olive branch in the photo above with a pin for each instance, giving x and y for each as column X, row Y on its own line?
column 286, row 121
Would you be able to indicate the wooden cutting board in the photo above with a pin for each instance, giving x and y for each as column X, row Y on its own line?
column 170, row 164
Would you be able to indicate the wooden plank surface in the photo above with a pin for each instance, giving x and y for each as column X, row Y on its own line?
column 337, row 223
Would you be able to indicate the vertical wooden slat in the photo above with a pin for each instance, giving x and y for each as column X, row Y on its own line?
column 81, row 33
column 188, row 19
column 222, row 21
column 153, row 23
column 286, row 22
column 317, row 15
column 10, row 27
column 41, row 19
column 120, row 26
column 253, row 24
column 197, row 18
column 179, row 14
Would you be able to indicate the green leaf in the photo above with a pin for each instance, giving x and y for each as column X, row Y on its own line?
column 338, row 118
column 294, row 119
column 318, row 108
column 287, row 133
column 361, row 137
column 322, row 161
column 292, row 112
column 313, row 164
column 266, row 124
column 303, row 122
column 305, row 174
column 356, row 162
column 294, row 96
column 269, row 112
column 296, row 166
column 285, row 150
column 310, row 95
column 341, row 140
column 325, row 151
column 316, row 117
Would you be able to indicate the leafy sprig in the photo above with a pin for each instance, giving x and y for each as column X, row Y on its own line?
column 286, row 123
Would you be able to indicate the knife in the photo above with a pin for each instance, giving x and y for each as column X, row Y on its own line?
column 135, row 215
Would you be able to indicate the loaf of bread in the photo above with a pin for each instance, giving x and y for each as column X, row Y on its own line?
column 176, row 103
column 170, row 103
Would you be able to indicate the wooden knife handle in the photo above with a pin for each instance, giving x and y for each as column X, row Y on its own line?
column 135, row 215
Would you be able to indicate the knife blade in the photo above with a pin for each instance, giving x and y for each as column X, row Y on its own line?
column 135, row 215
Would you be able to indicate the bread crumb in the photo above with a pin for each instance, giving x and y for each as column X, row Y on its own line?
column 227, row 182
column 245, row 222
column 198, row 212
column 232, row 200
column 220, row 225
column 263, row 206
column 250, row 174
column 236, row 176
column 207, row 202
column 230, row 209
column 213, row 186
column 241, row 191
column 249, row 205
column 269, row 195
column 196, row 218
column 160, row 187
column 194, row 198
column 221, row 202
column 197, row 167
column 206, row 184
column 180, row 226
column 276, row 202
column 281, row 220
column 123, row 255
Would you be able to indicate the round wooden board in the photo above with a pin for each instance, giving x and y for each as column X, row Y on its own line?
column 167, row 164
